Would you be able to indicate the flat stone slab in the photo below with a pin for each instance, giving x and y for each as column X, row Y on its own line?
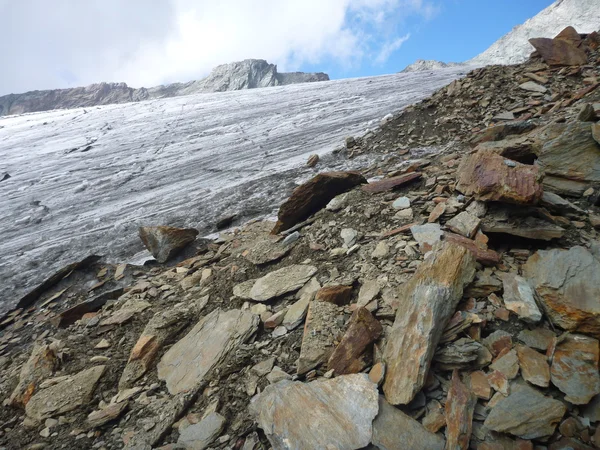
column 185, row 365
column 200, row 435
column 276, row 283
column 387, row 184
column 394, row 430
column 519, row 298
column 525, row 413
column 64, row 396
column 426, row 304
column 335, row 413
column 568, row 284
column 574, row 368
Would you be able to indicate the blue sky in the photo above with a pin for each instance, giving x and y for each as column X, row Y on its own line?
column 67, row 43
column 458, row 31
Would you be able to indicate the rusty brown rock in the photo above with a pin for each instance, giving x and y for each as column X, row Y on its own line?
column 460, row 406
column 105, row 415
column 534, row 366
column 575, row 368
column 41, row 364
column 427, row 302
column 559, row 52
column 363, row 329
column 490, row 177
column 164, row 242
column 312, row 196
column 338, row 295
column 480, row 385
column 570, row 35
column 482, row 254
column 568, row 285
column 387, row 184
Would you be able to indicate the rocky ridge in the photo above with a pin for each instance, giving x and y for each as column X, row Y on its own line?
column 448, row 299
column 247, row 74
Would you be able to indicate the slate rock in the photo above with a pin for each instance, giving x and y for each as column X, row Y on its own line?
column 200, row 435
column 105, row 415
column 534, row 366
column 519, row 298
column 265, row 251
column 531, row 86
column 394, row 430
column 345, row 407
column 313, row 196
column 574, row 368
column 68, row 394
column 338, row 294
column 557, row 52
column 464, row 224
column 525, row 413
column 460, row 406
column 41, row 364
column 164, row 242
column 427, row 235
column 388, row 184
column 184, row 366
column 568, row 285
column 281, row 281
column 488, row 177
column 426, row 304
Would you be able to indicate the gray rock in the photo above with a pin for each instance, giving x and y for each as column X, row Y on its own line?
column 349, row 237
column 345, row 407
column 280, row 282
column 532, row 86
column 519, row 298
column 525, row 413
column 401, row 203
column 394, row 430
column 200, row 435
column 568, row 285
column 66, row 395
column 297, row 312
column 464, row 224
column 427, row 235
column 368, row 291
column 267, row 250
column 184, row 366
column 338, row 202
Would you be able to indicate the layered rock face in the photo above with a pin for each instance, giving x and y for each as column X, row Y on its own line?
column 247, row 74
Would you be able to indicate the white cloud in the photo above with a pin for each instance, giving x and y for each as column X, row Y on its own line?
column 64, row 43
column 390, row 47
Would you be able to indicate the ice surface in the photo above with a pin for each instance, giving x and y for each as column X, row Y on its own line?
column 83, row 180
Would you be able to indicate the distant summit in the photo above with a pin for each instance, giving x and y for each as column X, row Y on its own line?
column 247, row 74
column 422, row 65
column 514, row 48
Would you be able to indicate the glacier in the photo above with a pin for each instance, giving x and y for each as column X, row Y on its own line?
column 83, row 180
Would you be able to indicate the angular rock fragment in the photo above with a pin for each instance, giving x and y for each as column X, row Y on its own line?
column 539, row 338
column 574, row 368
column 185, row 365
column 280, row 282
column 460, row 406
column 568, row 285
column 525, row 413
column 394, row 430
column 105, row 415
column 200, row 435
column 64, row 396
column 426, row 304
column 533, row 87
column 339, row 294
column 490, row 177
column 507, row 364
column 482, row 254
column 462, row 353
column 41, row 364
column 320, row 331
column 345, row 406
column 266, row 251
column 161, row 327
column 164, row 242
column 519, row 298
column 427, row 235
column 387, row 184
column 557, row 52
column 363, row 329
column 534, row 366
column 314, row 195
column 464, row 224
column 529, row 228
column 480, row 385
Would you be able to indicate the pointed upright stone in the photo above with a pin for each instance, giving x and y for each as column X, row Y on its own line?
column 460, row 406
column 426, row 302
column 164, row 242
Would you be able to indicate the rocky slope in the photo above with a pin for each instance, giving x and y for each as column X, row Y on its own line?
column 421, row 65
column 514, row 48
column 432, row 300
column 247, row 74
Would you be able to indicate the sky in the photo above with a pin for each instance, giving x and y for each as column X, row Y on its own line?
column 67, row 43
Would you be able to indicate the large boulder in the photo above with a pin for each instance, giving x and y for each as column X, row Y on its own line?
column 164, row 242
column 562, row 50
column 426, row 304
column 568, row 285
column 312, row 196
column 334, row 413
column 570, row 153
column 490, row 177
